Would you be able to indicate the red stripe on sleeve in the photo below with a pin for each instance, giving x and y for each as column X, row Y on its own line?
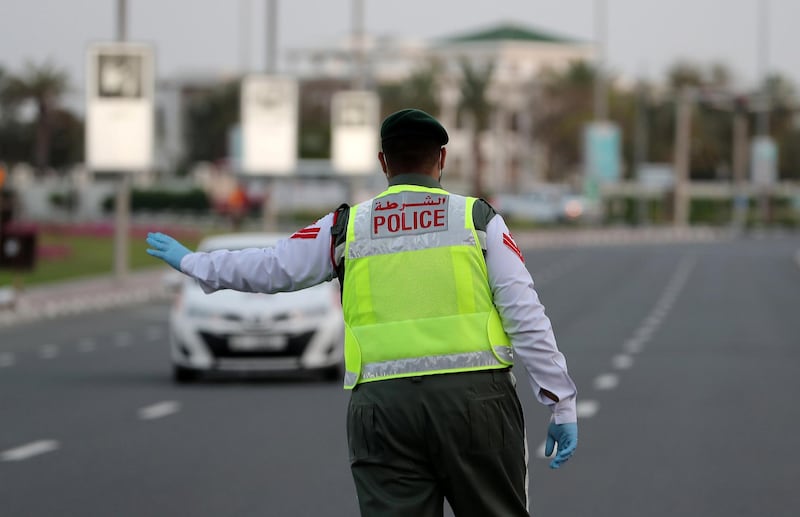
column 306, row 233
column 509, row 242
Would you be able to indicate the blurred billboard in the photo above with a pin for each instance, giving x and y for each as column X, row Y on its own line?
column 119, row 107
column 269, row 114
column 354, row 126
column 764, row 161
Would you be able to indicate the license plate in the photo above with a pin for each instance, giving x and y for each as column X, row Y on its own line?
column 255, row 342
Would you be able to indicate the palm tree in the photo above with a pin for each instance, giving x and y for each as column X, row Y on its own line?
column 475, row 105
column 563, row 108
column 43, row 85
column 418, row 91
column 783, row 99
column 209, row 116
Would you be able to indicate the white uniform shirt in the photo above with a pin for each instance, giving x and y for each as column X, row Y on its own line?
column 306, row 259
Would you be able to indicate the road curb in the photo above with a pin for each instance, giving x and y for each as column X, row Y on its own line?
column 83, row 296
column 619, row 236
column 101, row 293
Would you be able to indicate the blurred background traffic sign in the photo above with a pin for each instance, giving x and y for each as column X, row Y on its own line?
column 120, row 88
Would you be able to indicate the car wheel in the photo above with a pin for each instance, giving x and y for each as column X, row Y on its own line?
column 183, row 375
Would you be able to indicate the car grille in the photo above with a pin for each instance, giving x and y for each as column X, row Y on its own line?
column 218, row 346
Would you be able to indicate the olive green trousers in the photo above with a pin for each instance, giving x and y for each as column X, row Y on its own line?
column 417, row 441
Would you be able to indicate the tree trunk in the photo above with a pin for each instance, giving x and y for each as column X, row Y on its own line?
column 41, row 144
column 477, row 156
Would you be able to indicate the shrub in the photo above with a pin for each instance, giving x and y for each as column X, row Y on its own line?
column 194, row 201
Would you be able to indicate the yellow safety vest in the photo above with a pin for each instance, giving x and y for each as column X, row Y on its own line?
column 416, row 297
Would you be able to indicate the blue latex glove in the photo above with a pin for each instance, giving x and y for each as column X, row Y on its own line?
column 566, row 435
column 167, row 249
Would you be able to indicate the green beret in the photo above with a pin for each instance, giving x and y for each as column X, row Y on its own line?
column 413, row 123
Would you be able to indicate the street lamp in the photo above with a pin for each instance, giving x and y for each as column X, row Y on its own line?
column 359, row 79
column 122, row 205
column 763, row 65
column 600, row 90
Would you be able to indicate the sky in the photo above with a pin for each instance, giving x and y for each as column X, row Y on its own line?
column 644, row 37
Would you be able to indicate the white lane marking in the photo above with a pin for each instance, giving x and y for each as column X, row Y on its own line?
column 154, row 333
column 606, row 381
column 123, row 339
column 633, row 346
column 29, row 450
column 622, row 361
column 48, row 352
column 644, row 334
column 6, row 359
column 159, row 410
column 87, row 345
column 587, row 408
column 653, row 320
column 663, row 306
column 661, row 311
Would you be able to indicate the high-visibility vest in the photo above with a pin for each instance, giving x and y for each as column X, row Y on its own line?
column 416, row 297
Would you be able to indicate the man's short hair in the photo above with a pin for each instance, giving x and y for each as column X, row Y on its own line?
column 411, row 140
column 411, row 154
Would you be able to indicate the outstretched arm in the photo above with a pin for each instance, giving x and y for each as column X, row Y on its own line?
column 294, row 263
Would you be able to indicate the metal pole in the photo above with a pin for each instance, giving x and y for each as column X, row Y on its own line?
column 600, row 94
column 683, row 128
column 245, row 42
column 740, row 199
column 641, row 150
column 762, row 123
column 763, row 65
column 272, row 36
column 2, row 182
column 122, row 20
column 122, row 215
column 269, row 204
column 359, row 79
column 122, row 218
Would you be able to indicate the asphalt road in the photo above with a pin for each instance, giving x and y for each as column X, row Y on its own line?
column 687, row 360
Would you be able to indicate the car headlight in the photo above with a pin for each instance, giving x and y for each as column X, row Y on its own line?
column 303, row 313
column 573, row 208
column 202, row 313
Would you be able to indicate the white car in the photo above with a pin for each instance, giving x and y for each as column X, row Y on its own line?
column 231, row 331
column 547, row 204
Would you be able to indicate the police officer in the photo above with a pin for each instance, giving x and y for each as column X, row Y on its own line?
column 437, row 303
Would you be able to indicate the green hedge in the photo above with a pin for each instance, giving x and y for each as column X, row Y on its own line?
column 194, row 201
column 704, row 212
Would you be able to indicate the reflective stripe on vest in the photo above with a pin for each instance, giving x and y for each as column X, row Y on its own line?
column 452, row 362
column 439, row 317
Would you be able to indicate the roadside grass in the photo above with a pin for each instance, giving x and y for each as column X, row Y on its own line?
column 69, row 253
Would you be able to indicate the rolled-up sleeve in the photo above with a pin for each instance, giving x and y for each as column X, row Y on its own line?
column 526, row 323
column 294, row 263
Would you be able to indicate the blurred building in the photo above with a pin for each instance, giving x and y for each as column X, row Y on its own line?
column 514, row 54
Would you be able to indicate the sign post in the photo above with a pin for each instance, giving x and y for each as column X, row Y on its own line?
column 120, row 100
column 354, row 132
column 764, row 172
column 268, row 135
column 120, row 94
column 601, row 155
